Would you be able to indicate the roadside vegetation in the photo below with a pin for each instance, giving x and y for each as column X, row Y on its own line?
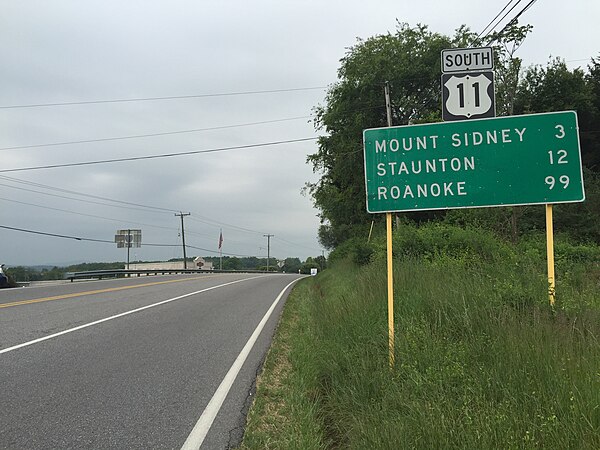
column 482, row 361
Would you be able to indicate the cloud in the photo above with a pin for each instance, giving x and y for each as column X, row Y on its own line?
column 99, row 50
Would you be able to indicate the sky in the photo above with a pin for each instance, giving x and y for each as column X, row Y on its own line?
column 244, row 73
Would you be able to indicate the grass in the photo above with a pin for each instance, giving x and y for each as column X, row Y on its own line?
column 481, row 360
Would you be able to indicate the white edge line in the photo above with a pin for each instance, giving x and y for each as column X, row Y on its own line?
column 126, row 313
column 200, row 430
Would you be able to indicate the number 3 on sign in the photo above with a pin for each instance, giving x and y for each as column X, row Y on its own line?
column 551, row 181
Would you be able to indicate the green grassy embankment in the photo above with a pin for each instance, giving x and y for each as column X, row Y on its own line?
column 481, row 360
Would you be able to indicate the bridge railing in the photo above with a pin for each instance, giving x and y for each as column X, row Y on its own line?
column 121, row 273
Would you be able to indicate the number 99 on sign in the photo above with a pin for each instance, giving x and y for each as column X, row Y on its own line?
column 551, row 181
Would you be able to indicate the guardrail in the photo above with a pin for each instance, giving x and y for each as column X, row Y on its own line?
column 121, row 273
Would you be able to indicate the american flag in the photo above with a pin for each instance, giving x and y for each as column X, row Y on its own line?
column 220, row 240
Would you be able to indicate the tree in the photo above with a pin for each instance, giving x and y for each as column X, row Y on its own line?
column 409, row 60
column 590, row 131
column 232, row 263
column 291, row 265
column 557, row 88
column 507, row 66
column 321, row 261
column 309, row 264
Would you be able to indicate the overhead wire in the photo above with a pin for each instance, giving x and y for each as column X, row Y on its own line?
column 55, row 235
column 514, row 19
column 85, row 215
column 45, row 186
column 77, row 238
column 217, row 252
column 168, row 133
column 277, row 238
column 491, row 30
column 105, row 241
column 194, row 217
column 164, row 155
column 130, row 208
column 173, row 97
column 215, row 223
column 138, row 136
column 492, row 21
column 207, row 221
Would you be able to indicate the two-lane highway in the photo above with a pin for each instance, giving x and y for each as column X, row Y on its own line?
column 134, row 363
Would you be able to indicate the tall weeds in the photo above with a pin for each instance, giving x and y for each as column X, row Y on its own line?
column 481, row 359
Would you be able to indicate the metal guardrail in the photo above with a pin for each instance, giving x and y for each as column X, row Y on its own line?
column 121, row 273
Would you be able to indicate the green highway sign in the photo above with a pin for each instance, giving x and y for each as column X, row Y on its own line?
column 515, row 160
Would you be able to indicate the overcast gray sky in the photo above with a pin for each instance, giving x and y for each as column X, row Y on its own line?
column 72, row 51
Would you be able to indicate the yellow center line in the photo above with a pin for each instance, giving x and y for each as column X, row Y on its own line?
column 99, row 291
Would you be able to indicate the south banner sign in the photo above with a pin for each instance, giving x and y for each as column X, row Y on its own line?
column 515, row 160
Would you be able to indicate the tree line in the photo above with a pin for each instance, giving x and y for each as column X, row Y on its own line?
column 409, row 60
column 289, row 265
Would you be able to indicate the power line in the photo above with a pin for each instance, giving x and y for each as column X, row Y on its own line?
column 167, row 133
column 529, row 5
column 44, row 186
column 175, row 97
column 492, row 21
column 491, row 30
column 297, row 245
column 77, row 238
column 56, row 235
column 514, row 19
column 216, row 223
column 165, row 155
column 84, row 215
column 206, row 221
column 226, row 254
column 137, row 223
column 129, row 208
column 196, row 217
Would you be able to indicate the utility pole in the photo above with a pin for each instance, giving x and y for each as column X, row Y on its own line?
column 268, row 236
column 183, row 237
column 390, row 268
column 388, row 110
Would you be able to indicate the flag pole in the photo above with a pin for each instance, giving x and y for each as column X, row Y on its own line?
column 221, row 249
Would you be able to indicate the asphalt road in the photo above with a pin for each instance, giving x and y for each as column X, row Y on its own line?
column 134, row 363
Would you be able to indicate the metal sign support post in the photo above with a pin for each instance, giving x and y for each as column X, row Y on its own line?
column 128, row 246
column 390, row 287
column 128, row 238
column 550, row 255
column 390, row 263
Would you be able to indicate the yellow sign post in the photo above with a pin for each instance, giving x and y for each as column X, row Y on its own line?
column 550, row 255
column 390, row 287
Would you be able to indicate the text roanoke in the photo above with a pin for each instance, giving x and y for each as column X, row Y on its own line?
column 421, row 190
